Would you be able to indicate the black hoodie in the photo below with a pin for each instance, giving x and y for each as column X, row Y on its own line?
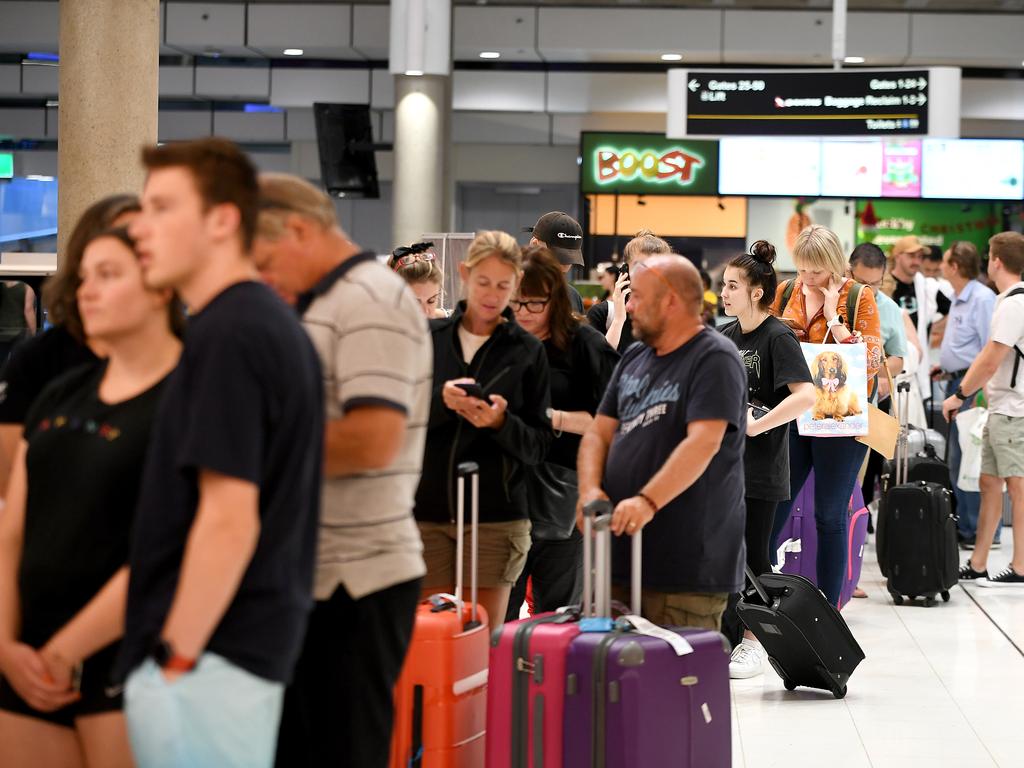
column 513, row 364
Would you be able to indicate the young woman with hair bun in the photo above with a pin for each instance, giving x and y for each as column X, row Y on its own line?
column 780, row 382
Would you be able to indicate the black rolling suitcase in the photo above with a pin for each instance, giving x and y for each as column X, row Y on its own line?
column 807, row 641
column 916, row 542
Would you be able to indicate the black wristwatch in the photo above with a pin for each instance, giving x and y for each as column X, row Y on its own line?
column 960, row 393
column 166, row 658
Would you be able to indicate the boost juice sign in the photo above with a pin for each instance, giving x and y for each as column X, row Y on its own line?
column 647, row 163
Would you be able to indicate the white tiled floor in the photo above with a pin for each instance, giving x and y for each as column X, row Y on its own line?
column 940, row 688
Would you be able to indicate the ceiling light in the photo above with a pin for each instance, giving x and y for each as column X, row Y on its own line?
column 490, row 55
column 671, row 57
column 854, row 60
column 293, row 51
column 414, row 72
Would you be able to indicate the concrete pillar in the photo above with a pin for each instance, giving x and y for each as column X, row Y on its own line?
column 422, row 112
column 108, row 94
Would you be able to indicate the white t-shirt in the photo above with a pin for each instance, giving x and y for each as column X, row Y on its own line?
column 1008, row 329
column 471, row 343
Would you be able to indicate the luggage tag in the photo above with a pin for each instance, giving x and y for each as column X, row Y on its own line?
column 597, row 624
column 642, row 626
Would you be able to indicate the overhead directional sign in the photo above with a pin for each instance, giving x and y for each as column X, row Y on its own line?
column 806, row 103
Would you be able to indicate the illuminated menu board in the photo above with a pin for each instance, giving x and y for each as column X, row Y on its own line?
column 790, row 167
column 973, row 169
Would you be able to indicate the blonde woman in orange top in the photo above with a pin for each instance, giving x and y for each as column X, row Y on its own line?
column 816, row 308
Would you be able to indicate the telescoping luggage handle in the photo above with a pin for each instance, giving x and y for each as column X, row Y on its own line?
column 597, row 567
column 903, row 441
column 472, row 470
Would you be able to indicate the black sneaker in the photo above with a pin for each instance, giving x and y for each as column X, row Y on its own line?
column 967, row 573
column 1006, row 578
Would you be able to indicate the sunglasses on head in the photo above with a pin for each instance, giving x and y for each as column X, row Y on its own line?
column 410, row 254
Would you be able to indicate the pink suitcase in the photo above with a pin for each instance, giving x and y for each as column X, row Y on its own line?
column 526, row 691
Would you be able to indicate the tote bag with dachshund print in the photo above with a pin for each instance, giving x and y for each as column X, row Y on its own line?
column 839, row 373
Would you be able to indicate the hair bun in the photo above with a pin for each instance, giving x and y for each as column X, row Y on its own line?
column 763, row 251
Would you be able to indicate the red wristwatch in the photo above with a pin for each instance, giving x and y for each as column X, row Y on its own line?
column 167, row 659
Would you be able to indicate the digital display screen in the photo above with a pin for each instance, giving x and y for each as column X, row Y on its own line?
column 784, row 167
column 973, row 169
column 851, row 168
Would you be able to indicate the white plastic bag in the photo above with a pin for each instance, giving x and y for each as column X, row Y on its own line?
column 970, row 425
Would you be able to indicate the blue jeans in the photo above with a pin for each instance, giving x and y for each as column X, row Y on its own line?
column 217, row 715
column 836, row 462
column 968, row 503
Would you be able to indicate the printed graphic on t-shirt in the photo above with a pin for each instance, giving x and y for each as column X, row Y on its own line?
column 643, row 405
column 752, row 359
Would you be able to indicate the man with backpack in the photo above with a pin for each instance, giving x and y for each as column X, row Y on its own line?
column 1000, row 369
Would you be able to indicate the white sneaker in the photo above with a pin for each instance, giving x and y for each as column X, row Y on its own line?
column 747, row 660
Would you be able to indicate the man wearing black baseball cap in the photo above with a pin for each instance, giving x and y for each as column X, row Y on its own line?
column 563, row 236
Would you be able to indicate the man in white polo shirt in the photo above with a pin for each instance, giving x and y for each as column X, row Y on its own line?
column 376, row 357
column 1000, row 369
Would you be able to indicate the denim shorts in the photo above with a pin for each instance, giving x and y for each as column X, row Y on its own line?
column 216, row 715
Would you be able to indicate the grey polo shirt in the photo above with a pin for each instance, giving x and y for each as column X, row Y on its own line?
column 375, row 349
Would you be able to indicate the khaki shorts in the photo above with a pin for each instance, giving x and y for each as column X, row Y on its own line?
column 1002, row 448
column 702, row 610
column 503, row 551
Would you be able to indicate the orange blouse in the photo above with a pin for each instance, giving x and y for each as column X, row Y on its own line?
column 868, row 321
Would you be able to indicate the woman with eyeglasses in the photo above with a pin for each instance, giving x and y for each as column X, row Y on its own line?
column 490, row 406
column 417, row 265
column 582, row 363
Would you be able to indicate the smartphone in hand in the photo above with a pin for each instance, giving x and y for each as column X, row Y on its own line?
column 759, row 411
column 472, row 389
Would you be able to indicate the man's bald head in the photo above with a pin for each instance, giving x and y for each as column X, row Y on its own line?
column 681, row 276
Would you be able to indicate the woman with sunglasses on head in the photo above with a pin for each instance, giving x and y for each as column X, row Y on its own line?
column 64, row 537
column 490, row 403
column 815, row 306
column 36, row 362
column 582, row 363
column 417, row 265
column 780, row 389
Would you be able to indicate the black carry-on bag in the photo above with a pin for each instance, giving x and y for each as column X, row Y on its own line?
column 807, row 641
column 917, row 546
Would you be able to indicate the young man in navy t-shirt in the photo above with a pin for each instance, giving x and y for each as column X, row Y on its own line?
column 667, row 449
column 224, row 538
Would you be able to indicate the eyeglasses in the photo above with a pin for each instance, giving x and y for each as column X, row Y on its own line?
column 533, row 306
column 411, row 258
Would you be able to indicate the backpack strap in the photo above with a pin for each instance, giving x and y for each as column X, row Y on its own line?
column 1018, row 353
column 787, row 294
column 853, row 304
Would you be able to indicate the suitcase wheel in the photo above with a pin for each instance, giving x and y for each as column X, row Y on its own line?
column 897, row 598
column 790, row 685
column 839, row 693
column 945, row 597
column 929, row 601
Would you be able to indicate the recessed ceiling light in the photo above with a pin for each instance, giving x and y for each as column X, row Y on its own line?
column 293, row 51
column 671, row 57
column 490, row 55
column 414, row 72
column 854, row 60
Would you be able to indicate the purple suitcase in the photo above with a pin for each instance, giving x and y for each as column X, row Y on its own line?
column 798, row 542
column 632, row 701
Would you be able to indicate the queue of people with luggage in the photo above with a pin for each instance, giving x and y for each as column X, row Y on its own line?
column 223, row 527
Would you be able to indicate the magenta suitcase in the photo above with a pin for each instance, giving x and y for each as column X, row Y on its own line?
column 526, row 691
column 631, row 700
column 857, row 538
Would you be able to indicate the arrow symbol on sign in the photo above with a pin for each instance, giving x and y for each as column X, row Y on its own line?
column 921, row 83
column 693, row 85
column 922, row 100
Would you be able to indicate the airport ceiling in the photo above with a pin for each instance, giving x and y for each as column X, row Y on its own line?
column 917, row 6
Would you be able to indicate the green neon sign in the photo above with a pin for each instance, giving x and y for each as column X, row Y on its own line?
column 6, row 165
column 643, row 163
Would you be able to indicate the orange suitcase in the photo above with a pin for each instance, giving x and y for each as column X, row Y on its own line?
column 441, row 695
